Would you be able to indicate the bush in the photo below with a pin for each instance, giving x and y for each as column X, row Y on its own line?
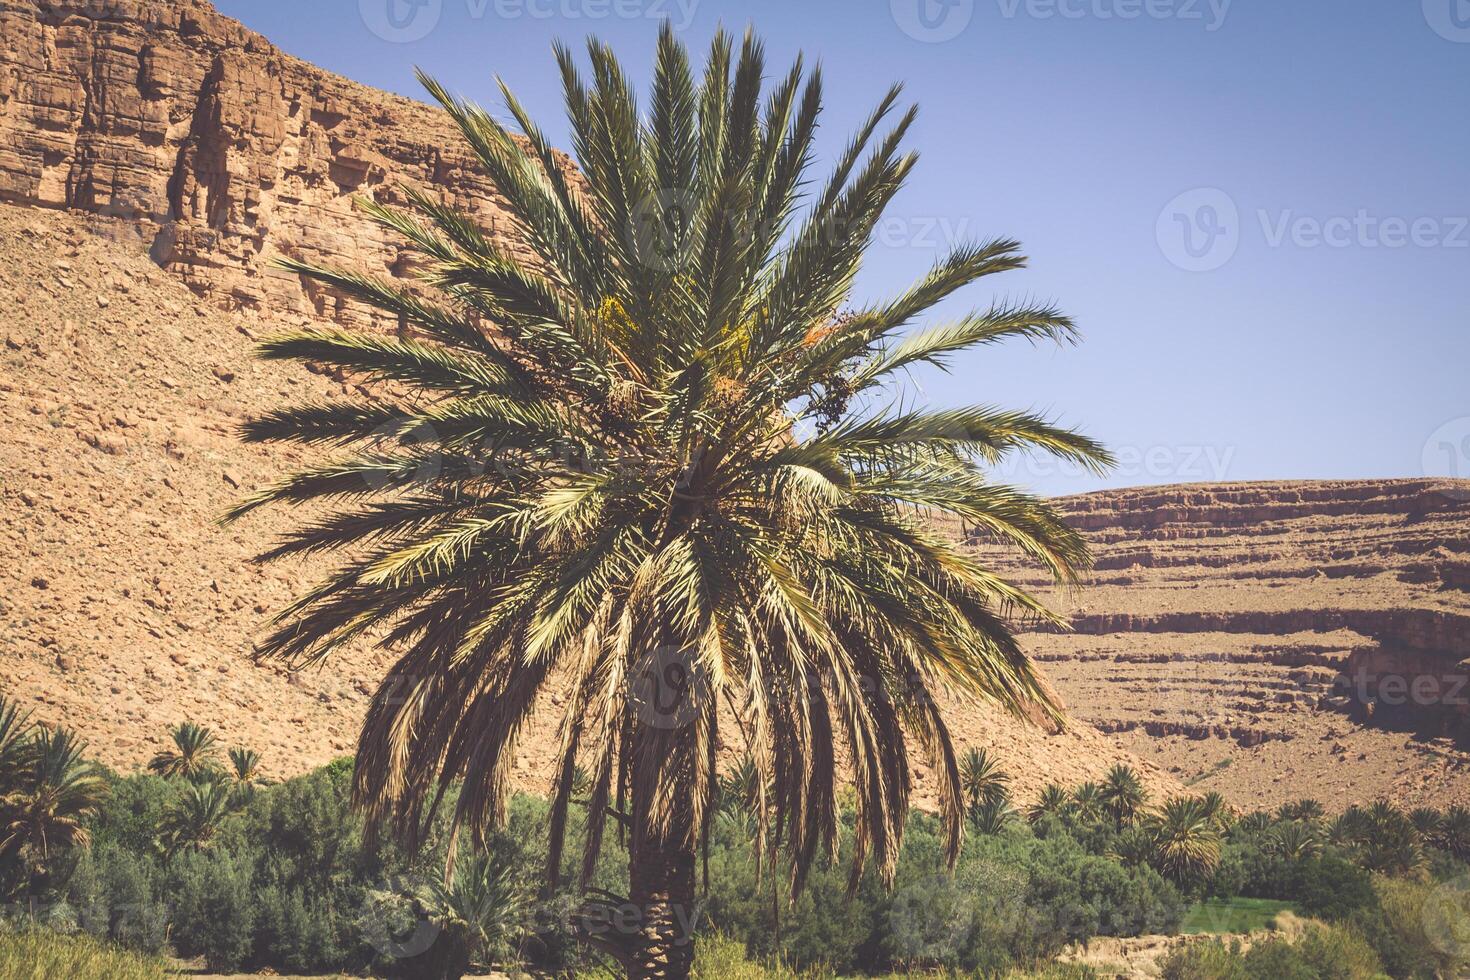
column 214, row 908
column 116, row 894
column 1331, row 888
column 1212, row 960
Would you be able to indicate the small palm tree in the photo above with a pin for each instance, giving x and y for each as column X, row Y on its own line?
column 1293, row 840
column 1426, row 821
column 45, row 813
column 741, row 788
column 982, row 780
column 1087, row 802
column 1253, row 824
column 662, row 463
column 17, row 743
column 194, row 756
column 244, row 774
column 1388, row 842
column 192, row 822
column 1054, row 801
column 1351, row 827
column 1123, row 795
column 480, row 911
column 1305, row 809
column 1453, row 832
column 1218, row 809
column 1187, row 840
column 1135, row 846
column 992, row 815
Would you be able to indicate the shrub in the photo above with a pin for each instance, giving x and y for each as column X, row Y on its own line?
column 1212, row 960
column 214, row 908
column 1335, row 953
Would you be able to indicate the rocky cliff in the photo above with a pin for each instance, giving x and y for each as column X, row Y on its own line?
column 1277, row 640
column 218, row 149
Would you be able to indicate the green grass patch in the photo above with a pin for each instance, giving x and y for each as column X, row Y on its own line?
column 43, row 955
column 1233, row 916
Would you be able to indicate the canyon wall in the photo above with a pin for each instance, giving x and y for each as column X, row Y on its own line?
column 1275, row 639
column 215, row 147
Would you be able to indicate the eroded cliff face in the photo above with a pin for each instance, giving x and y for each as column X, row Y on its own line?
column 1276, row 640
column 220, row 150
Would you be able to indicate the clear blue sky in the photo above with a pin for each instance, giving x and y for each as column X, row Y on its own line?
column 1315, row 323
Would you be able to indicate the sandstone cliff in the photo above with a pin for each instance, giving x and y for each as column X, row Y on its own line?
column 220, row 150
column 1277, row 640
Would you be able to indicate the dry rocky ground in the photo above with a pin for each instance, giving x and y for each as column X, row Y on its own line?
column 126, row 608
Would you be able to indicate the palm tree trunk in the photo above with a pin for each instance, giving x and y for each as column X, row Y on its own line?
column 661, row 867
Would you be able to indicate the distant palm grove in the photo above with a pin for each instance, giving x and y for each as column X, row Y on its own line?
column 208, row 861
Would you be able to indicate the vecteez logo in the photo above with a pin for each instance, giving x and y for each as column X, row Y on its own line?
column 1449, row 18
column 1199, row 231
column 401, row 21
column 932, row 21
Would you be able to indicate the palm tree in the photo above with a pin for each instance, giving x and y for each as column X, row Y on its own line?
column 982, row 780
column 16, row 743
column 192, row 821
column 1351, row 827
column 1123, row 795
column 1293, row 840
column 45, row 813
column 1453, row 832
column 660, row 463
column 992, row 814
column 1054, row 801
column 1426, row 821
column 1187, row 840
column 479, row 911
column 1305, row 809
column 1387, row 841
column 1087, row 802
column 1252, row 824
column 195, row 754
column 244, row 775
column 1218, row 809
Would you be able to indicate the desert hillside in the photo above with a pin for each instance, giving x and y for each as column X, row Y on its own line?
column 1278, row 640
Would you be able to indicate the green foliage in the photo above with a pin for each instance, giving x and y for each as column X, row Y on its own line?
column 194, row 755
column 1330, row 953
column 1187, row 840
column 1233, row 916
column 1211, row 960
column 28, row 954
column 1123, row 796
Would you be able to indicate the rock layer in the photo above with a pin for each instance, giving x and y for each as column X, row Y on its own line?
column 221, row 151
column 1276, row 640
